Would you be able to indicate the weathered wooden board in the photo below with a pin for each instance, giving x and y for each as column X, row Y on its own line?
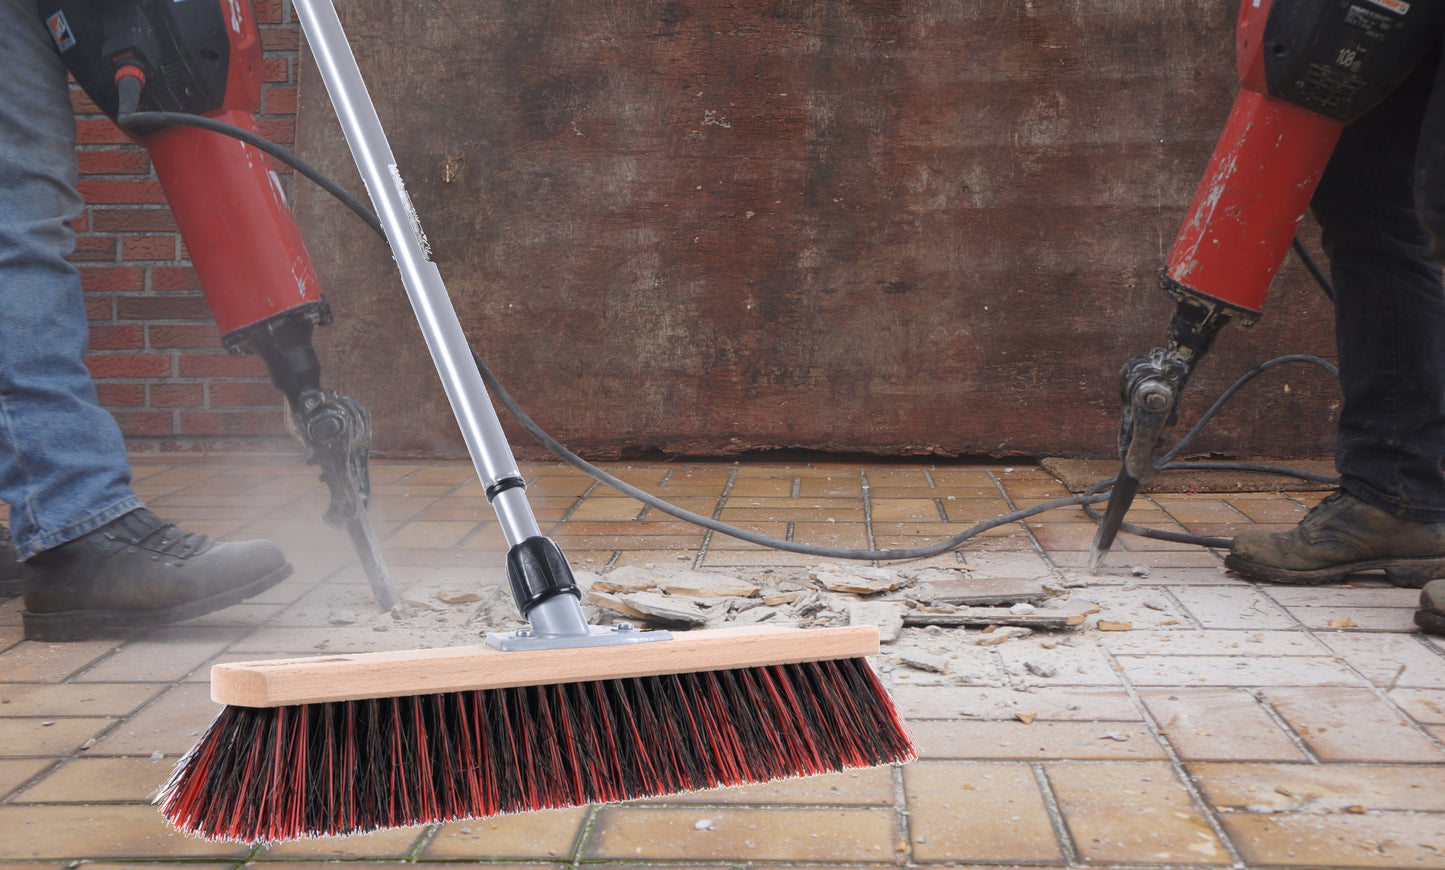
column 910, row 227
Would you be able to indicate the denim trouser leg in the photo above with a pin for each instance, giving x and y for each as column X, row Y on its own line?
column 63, row 467
column 1389, row 311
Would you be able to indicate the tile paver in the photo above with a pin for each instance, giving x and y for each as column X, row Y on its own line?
column 1224, row 722
column 968, row 811
column 1320, row 787
column 744, row 834
column 1123, row 812
column 1351, row 724
column 107, row 780
column 1384, row 840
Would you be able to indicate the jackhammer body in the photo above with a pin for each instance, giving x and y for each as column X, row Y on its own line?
column 1306, row 68
column 203, row 57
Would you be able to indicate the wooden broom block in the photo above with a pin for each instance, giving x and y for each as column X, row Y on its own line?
column 315, row 680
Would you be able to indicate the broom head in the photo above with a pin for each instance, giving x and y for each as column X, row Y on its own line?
column 339, row 745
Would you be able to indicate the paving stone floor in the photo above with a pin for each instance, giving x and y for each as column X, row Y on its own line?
column 1220, row 724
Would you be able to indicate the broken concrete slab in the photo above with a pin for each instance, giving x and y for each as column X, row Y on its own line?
column 940, row 587
column 1052, row 616
column 775, row 599
column 857, row 580
column 609, row 602
column 1001, row 634
column 656, row 607
column 925, row 661
column 628, row 578
column 704, row 586
column 887, row 615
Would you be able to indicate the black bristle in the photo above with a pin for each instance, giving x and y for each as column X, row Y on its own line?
column 352, row 766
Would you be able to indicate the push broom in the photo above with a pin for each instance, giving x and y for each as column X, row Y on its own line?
column 559, row 715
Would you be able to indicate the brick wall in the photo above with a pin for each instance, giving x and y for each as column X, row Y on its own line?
column 156, row 355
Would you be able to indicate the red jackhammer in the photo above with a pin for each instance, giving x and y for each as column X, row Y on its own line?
column 203, row 57
column 1307, row 68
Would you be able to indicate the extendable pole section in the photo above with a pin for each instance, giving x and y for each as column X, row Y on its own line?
column 541, row 581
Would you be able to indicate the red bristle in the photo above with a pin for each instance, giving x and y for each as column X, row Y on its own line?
column 352, row 766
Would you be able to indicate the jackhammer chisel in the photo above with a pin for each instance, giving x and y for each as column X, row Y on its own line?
column 1306, row 68
column 136, row 58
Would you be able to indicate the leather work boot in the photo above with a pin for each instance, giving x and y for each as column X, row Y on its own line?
column 1343, row 536
column 10, row 572
column 1431, row 615
column 139, row 571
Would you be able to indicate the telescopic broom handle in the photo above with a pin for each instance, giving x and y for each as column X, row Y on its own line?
column 450, row 352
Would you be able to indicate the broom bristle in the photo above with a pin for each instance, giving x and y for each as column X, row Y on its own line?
column 282, row 773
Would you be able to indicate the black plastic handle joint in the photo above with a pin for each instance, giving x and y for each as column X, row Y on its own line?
column 537, row 570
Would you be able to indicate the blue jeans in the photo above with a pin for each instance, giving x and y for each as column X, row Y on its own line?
column 63, row 466
column 1389, row 300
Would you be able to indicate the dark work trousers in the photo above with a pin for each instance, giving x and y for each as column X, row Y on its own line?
column 1385, row 184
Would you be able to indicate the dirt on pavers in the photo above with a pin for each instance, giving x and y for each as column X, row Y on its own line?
column 938, row 625
column 1078, row 475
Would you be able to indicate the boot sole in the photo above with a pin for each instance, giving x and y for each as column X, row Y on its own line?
column 74, row 625
column 1431, row 622
column 1407, row 573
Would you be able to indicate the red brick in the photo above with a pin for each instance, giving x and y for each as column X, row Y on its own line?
column 82, row 223
column 221, row 365
column 201, row 336
column 280, row 131
column 121, row 395
column 81, row 103
column 99, row 307
column 276, row 69
column 281, row 101
column 94, row 249
column 121, row 192
column 98, row 131
column 148, row 248
column 168, row 307
column 93, row 278
column 246, row 395
column 268, row 11
column 128, row 365
column 120, row 337
column 145, row 422
column 174, row 395
column 285, row 39
column 114, row 161
column 133, row 220
column 174, row 278
column 232, row 423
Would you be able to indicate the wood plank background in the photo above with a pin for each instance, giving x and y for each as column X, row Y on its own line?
column 898, row 227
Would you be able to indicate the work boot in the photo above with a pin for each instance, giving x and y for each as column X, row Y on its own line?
column 1343, row 536
column 139, row 571
column 1431, row 615
column 10, row 573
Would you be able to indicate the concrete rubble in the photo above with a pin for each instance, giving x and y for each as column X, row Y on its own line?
column 925, row 615
column 939, row 625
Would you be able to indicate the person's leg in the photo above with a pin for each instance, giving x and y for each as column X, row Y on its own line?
column 95, row 558
column 63, row 467
column 1430, row 203
column 1390, row 334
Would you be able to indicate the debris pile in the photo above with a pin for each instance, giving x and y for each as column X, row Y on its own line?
column 832, row 595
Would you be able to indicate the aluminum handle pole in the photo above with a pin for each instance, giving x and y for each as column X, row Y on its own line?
column 482, row 431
